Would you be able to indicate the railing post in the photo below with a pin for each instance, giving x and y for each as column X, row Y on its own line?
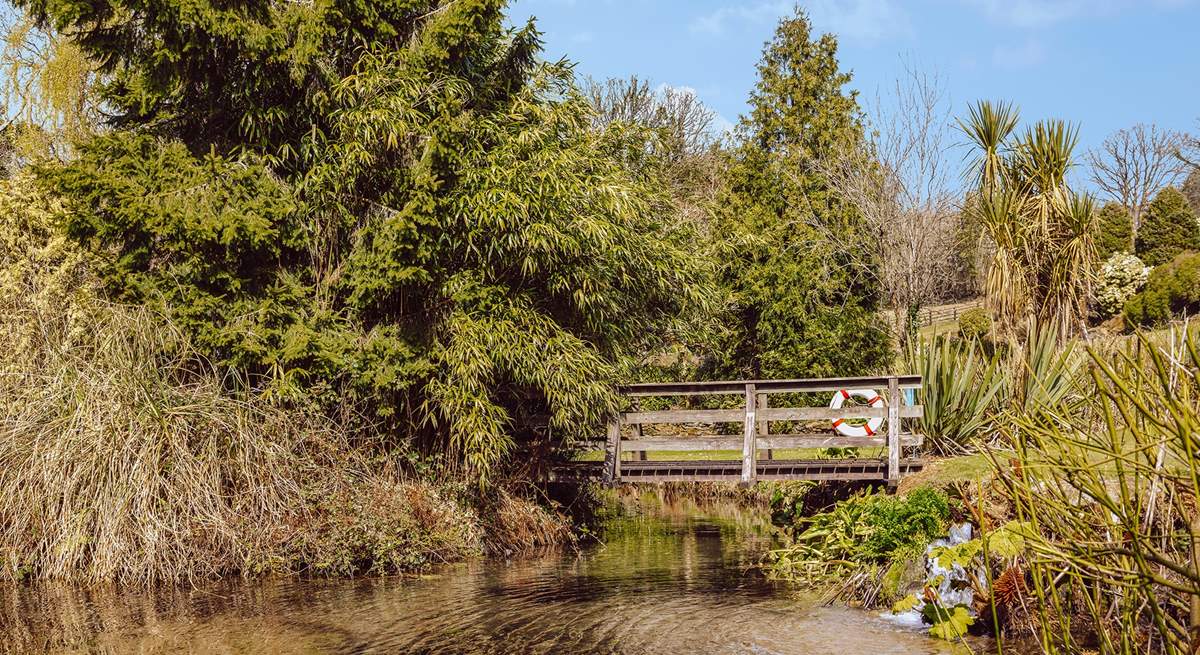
column 893, row 438
column 764, row 428
column 612, row 453
column 749, row 440
column 637, row 432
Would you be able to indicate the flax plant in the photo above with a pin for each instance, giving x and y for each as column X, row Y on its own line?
column 962, row 391
column 1041, row 231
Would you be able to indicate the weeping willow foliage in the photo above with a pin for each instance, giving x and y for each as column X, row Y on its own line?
column 1042, row 232
column 447, row 238
column 48, row 86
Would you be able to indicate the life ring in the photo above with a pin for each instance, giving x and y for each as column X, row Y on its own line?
column 872, row 425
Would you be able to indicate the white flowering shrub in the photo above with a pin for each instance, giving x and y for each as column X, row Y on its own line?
column 1120, row 277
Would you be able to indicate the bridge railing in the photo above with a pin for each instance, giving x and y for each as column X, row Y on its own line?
column 756, row 414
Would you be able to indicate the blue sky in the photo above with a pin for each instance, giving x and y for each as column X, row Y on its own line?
column 1102, row 64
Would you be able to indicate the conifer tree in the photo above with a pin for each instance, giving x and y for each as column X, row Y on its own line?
column 1168, row 229
column 797, row 308
column 1114, row 231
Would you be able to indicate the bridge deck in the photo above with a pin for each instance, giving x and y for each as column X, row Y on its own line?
column 866, row 469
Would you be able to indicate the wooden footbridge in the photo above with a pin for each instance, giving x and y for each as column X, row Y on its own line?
column 809, row 453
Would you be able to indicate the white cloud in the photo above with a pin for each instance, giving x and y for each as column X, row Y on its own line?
column 856, row 19
column 582, row 37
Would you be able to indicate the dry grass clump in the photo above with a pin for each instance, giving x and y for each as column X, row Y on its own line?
column 121, row 457
column 518, row 525
column 376, row 524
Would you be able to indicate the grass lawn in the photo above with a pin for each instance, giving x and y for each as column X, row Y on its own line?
column 943, row 472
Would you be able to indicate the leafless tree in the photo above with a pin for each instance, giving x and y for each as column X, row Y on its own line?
column 1133, row 164
column 687, row 142
column 686, row 123
column 903, row 187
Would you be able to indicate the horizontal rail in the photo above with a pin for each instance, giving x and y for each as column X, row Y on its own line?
column 764, row 386
column 773, row 442
column 675, row 416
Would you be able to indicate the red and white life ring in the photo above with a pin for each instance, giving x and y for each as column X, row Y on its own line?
column 871, row 426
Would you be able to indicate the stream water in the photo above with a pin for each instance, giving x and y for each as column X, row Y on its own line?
column 677, row 581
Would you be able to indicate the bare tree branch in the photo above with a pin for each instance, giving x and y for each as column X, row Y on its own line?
column 1134, row 164
column 900, row 182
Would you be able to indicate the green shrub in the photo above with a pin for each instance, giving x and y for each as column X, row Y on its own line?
column 863, row 530
column 1171, row 290
column 975, row 323
column 1168, row 228
column 1121, row 277
column 1114, row 231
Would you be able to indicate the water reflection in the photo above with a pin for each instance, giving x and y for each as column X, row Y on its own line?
column 676, row 582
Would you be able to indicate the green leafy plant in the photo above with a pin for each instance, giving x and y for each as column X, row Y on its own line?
column 1171, row 290
column 975, row 323
column 1114, row 231
column 962, row 389
column 863, row 530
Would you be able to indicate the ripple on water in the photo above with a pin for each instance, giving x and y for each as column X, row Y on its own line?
column 683, row 587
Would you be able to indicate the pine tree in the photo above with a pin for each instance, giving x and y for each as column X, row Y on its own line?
column 1114, row 231
column 1191, row 190
column 788, row 252
column 1169, row 228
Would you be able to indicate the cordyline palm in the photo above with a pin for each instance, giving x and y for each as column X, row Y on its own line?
column 1041, row 230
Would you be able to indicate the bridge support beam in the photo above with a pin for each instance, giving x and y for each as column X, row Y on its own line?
column 750, row 440
column 612, row 453
column 893, row 438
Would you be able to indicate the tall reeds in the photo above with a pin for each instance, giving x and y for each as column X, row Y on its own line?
column 1110, row 491
column 122, row 458
column 125, row 457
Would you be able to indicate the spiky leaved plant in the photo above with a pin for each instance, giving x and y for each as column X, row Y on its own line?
column 1041, row 230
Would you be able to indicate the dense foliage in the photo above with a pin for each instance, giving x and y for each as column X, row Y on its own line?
column 1169, row 228
column 428, row 223
column 859, row 531
column 975, row 323
column 1171, row 290
column 1114, row 231
column 798, row 303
